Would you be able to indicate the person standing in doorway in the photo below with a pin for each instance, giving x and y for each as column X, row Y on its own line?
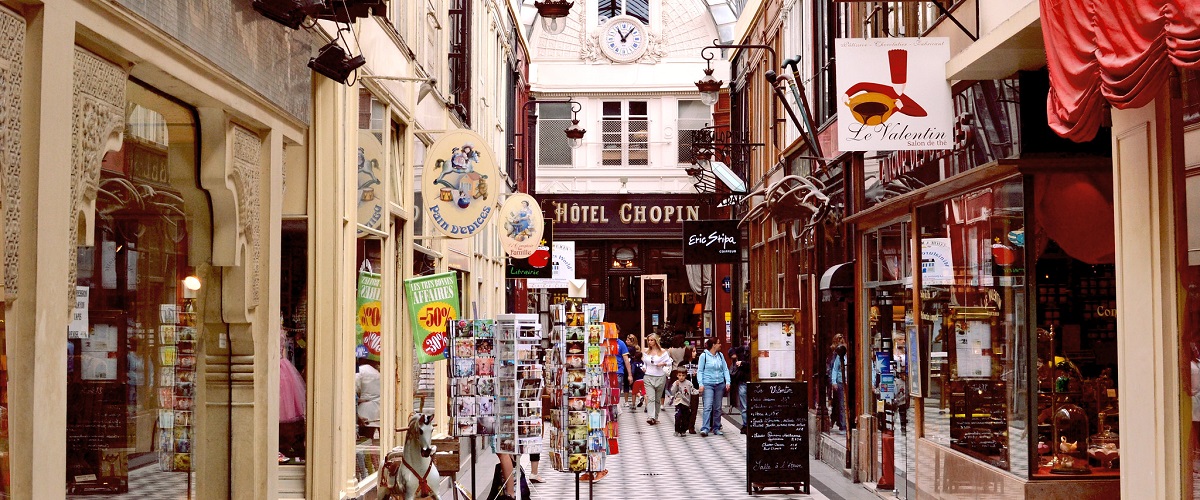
column 836, row 365
column 714, row 382
column 656, row 363
column 740, row 356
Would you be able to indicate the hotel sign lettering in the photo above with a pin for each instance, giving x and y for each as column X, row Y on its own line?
column 604, row 216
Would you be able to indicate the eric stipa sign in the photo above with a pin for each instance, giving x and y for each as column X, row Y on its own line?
column 711, row 241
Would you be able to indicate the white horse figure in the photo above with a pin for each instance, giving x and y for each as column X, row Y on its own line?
column 408, row 471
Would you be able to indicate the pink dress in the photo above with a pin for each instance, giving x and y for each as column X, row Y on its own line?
column 291, row 392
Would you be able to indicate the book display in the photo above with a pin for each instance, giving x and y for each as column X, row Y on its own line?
column 581, row 367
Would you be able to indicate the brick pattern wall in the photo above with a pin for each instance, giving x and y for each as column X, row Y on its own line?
column 264, row 55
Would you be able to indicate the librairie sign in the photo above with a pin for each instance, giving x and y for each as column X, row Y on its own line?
column 710, row 242
column 894, row 94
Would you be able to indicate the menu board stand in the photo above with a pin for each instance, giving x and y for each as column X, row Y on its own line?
column 777, row 436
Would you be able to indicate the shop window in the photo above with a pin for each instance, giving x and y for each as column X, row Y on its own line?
column 132, row 354
column 368, row 382
column 293, row 342
column 1189, row 279
column 460, row 58
column 973, row 325
column 625, row 130
column 424, row 375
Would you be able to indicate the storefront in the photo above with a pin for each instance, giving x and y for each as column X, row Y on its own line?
column 620, row 238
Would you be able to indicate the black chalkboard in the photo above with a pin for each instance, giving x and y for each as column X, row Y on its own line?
column 777, row 435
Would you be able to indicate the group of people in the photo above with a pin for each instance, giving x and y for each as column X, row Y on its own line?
column 676, row 376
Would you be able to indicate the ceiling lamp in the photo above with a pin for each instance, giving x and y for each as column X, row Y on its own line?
column 709, row 87
column 554, row 15
column 290, row 13
column 333, row 62
column 575, row 132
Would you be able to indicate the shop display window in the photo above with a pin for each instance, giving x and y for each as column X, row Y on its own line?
column 134, row 346
column 367, row 377
column 973, row 324
column 1188, row 224
column 293, row 343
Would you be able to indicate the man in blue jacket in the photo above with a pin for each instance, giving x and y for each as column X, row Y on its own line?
column 713, row 373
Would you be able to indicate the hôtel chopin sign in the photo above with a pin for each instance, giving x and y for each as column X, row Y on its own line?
column 616, row 215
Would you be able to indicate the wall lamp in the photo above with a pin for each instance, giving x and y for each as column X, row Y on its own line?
column 554, row 13
column 575, row 132
column 290, row 13
column 427, row 83
column 334, row 63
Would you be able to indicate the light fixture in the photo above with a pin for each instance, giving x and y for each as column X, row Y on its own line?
column 624, row 186
column 554, row 15
column 575, row 132
column 428, row 84
column 346, row 11
column 290, row 13
column 730, row 179
column 709, row 87
column 333, row 62
column 191, row 283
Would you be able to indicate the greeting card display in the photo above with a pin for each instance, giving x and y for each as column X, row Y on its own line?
column 519, row 379
column 473, row 382
column 176, row 380
column 584, row 395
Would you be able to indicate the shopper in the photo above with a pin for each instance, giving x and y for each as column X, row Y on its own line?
column 714, row 382
column 689, row 365
column 367, row 392
column 680, row 396
column 636, row 364
column 836, row 367
column 740, row 356
column 624, row 370
column 656, row 362
column 675, row 349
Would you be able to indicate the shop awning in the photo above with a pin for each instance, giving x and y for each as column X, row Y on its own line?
column 1116, row 52
column 838, row 277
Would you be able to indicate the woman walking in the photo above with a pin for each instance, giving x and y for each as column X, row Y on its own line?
column 714, row 381
column 656, row 363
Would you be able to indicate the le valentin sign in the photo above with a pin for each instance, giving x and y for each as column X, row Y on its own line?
column 894, row 94
column 590, row 217
column 710, row 242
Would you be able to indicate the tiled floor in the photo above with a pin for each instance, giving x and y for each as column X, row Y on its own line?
column 654, row 463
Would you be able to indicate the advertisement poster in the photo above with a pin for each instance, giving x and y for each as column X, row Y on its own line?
column 895, row 95
column 563, row 267
column 456, row 184
column 523, row 223
column 937, row 262
column 368, row 331
column 432, row 301
column 78, row 327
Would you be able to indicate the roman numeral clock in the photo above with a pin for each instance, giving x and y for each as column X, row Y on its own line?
column 623, row 39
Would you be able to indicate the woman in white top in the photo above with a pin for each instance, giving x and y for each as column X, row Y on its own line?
column 657, row 364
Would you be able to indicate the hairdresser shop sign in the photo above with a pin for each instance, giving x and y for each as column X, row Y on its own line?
column 893, row 94
column 432, row 302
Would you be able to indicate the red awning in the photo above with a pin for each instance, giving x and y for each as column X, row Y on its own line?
column 1115, row 51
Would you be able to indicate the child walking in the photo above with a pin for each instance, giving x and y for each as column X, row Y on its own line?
column 680, row 395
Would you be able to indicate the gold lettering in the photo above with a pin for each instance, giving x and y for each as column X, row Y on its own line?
column 656, row 214
column 693, row 213
column 594, row 211
column 574, row 214
column 639, row 214
column 626, row 218
column 603, row 218
column 667, row 212
column 560, row 212
column 1105, row 312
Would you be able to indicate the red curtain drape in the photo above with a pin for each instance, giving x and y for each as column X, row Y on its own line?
column 1114, row 51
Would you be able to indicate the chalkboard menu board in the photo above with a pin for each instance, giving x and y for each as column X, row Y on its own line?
column 776, row 435
column 978, row 420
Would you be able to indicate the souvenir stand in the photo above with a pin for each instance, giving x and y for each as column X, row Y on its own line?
column 584, row 390
column 472, row 356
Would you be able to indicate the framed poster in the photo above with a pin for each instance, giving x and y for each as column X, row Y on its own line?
column 773, row 343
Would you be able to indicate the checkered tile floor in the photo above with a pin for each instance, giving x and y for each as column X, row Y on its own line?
column 148, row 483
column 654, row 463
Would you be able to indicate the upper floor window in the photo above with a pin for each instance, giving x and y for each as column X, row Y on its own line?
column 553, row 148
column 460, row 58
column 693, row 116
column 608, row 9
column 626, row 133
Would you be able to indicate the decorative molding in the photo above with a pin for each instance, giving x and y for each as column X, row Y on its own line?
column 244, row 172
column 656, row 47
column 589, row 39
column 98, row 122
column 12, row 50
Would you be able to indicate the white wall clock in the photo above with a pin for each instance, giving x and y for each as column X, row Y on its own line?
column 623, row 39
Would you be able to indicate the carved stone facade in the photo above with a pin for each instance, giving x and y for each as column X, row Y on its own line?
column 247, row 154
column 12, row 49
column 98, row 121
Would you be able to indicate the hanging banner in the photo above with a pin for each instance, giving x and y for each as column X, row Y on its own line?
column 370, row 190
column 894, row 94
column 537, row 265
column 368, row 331
column 459, row 169
column 522, row 233
column 432, row 301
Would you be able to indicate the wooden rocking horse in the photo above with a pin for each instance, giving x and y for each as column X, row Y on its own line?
column 408, row 471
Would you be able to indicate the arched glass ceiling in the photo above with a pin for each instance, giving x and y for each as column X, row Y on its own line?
column 724, row 14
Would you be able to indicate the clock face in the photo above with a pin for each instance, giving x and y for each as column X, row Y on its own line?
column 623, row 39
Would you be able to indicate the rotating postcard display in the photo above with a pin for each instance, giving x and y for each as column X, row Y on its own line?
column 497, row 381
column 585, row 393
column 176, row 385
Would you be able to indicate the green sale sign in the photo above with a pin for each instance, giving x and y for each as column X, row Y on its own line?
column 432, row 302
